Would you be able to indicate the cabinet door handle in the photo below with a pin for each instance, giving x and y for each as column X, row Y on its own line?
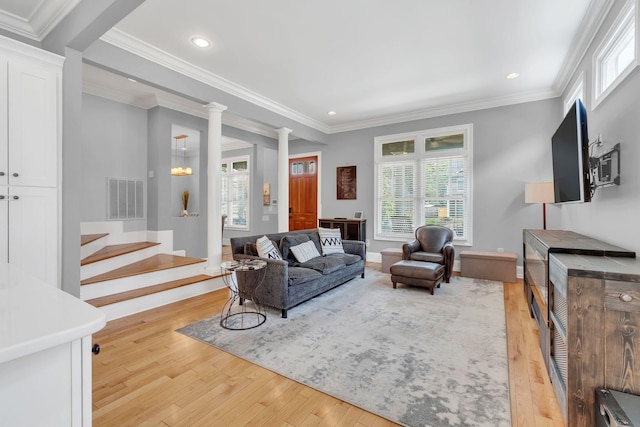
column 1, row 173
column 16, row 197
column 626, row 297
column 1, row 197
column 16, row 174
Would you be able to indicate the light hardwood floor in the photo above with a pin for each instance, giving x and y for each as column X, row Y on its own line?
column 149, row 375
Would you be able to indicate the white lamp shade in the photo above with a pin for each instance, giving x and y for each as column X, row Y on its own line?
column 539, row 192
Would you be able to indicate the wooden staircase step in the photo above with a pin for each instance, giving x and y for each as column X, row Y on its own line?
column 149, row 290
column 88, row 238
column 116, row 250
column 155, row 263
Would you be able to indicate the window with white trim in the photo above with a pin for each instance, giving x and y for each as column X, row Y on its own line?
column 235, row 192
column 576, row 92
column 424, row 178
column 617, row 55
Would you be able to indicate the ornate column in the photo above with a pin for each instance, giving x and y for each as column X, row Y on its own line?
column 214, row 194
column 283, row 179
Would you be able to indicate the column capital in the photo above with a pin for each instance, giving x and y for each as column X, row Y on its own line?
column 283, row 131
column 214, row 106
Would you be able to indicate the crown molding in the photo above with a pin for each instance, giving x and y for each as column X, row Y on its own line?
column 447, row 110
column 589, row 27
column 173, row 102
column 42, row 20
column 140, row 48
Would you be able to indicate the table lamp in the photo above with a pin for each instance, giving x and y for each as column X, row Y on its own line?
column 539, row 192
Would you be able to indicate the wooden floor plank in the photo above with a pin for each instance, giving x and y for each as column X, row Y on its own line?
column 145, row 364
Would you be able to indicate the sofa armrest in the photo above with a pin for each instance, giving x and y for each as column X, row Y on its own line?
column 274, row 289
column 355, row 247
column 409, row 248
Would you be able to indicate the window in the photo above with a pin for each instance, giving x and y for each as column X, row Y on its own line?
column 576, row 92
column 424, row 178
column 617, row 55
column 235, row 192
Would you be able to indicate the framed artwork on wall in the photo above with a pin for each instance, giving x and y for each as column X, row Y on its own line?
column 346, row 183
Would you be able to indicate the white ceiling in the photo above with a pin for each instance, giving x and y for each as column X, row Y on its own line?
column 371, row 61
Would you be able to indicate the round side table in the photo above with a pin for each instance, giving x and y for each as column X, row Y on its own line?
column 243, row 278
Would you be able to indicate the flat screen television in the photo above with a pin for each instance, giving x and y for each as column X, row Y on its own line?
column 570, row 153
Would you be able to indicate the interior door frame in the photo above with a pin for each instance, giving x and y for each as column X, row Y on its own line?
column 317, row 154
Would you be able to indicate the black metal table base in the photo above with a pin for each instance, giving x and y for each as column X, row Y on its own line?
column 243, row 310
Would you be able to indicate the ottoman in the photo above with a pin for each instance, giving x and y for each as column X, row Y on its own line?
column 417, row 273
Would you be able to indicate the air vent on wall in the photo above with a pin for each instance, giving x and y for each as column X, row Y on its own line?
column 124, row 199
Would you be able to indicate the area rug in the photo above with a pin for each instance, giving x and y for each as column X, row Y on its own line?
column 413, row 358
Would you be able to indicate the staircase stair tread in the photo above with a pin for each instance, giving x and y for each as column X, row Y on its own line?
column 155, row 263
column 88, row 238
column 149, row 290
column 112, row 251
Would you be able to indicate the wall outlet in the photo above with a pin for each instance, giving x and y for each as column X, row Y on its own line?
column 500, row 249
column 265, row 217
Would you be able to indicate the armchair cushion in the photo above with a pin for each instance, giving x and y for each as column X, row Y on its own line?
column 438, row 258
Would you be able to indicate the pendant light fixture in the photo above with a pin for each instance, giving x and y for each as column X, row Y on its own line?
column 181, row 170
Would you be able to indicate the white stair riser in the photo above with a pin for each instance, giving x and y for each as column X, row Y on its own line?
column 109, row 264
column 147, row 302
column 110, row 287
column 91, row 248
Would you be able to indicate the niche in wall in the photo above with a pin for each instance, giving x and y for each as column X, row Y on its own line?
column 185, row 156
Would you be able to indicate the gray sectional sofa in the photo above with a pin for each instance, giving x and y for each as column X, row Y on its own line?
column 287, row 282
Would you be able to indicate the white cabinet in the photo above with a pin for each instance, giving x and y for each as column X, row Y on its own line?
column 30, row 153
column 45, row 353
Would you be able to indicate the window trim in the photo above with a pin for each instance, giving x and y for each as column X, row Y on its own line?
column 609, row 43
column 230, row 160
column 417, row 156
column 576, row 92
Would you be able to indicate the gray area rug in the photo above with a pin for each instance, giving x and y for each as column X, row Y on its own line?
column 413, row 358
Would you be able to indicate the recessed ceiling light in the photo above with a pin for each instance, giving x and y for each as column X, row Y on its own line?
column 332, row 113
column 513, row 75
column 200, row 42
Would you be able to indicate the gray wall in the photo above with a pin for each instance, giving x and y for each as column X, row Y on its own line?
column 189, row 233
column 114, row 145
column 511, row 146
column 612, row 214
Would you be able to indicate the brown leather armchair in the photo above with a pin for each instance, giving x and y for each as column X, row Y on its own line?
column 433, row 243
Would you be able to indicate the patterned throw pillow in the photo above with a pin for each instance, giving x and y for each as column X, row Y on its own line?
column 305, row 251
column 330, row 241
column 266, row 249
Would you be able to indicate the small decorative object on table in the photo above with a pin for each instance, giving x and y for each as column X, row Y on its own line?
column 185, row 203
column 249, row 312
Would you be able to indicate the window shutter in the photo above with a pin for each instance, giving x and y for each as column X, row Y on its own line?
column 445, row 192
column 396, row 197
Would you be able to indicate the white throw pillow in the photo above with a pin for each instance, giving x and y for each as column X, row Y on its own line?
column 305, row 251
column 330, row 241
column 266, row 249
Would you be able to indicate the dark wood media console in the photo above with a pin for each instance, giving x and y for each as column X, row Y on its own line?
column 585, row 297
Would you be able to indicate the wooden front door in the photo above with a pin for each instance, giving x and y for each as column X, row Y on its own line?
column 303, row 193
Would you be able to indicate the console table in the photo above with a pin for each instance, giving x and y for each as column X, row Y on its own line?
column 350, row 229
column 585, row 297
